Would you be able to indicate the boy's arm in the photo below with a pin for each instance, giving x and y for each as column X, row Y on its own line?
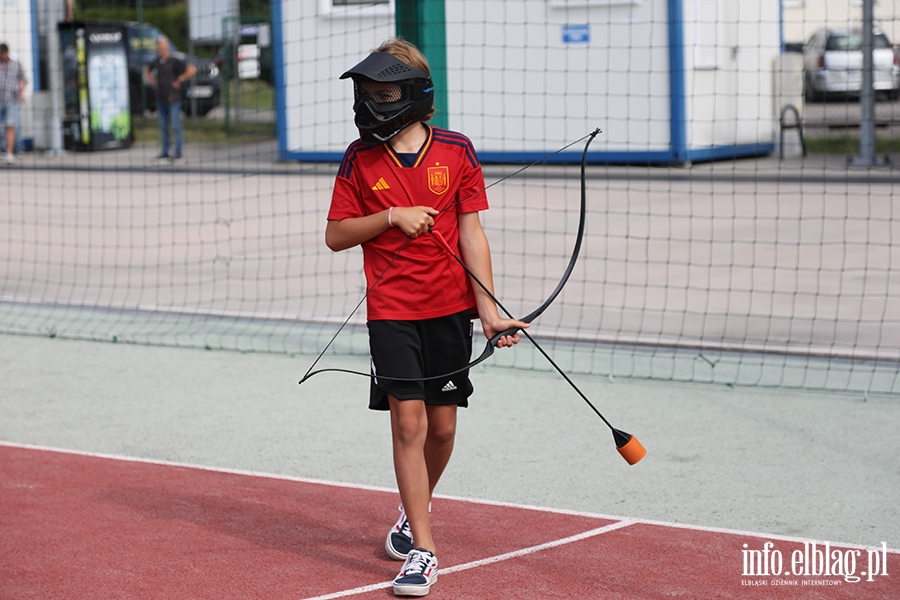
column 347, row 233
column 476, row 253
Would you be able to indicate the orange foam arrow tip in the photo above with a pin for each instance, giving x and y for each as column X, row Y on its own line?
column 632, row 451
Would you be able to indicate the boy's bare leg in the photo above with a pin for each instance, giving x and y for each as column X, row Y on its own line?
column 439, row 443
column 409, row 431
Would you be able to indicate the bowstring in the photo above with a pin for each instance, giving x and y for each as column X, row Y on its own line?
column 309, row 372
column 513, row 174
column 353, row 312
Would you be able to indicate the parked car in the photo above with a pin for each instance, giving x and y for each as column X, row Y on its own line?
column 204, row 89
column 231, row 67
column 833, row 61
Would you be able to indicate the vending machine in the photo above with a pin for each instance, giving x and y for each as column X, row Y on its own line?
column 97, row 108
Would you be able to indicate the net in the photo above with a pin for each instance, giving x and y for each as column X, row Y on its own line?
column 714, row 252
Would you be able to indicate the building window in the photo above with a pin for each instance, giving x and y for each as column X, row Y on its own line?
column 356, row 8
column 584, row 3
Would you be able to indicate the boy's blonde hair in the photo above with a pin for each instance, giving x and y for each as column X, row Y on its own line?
column 408, row 53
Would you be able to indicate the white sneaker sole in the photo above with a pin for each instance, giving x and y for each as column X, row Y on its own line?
column 389, row 548
column 414, row 590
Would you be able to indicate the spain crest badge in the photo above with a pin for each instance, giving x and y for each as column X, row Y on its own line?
column 438, row 179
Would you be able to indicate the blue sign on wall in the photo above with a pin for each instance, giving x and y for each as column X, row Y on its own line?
column 576, row 34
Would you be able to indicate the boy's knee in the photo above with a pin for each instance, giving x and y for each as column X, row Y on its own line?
column 410, row 427
column 442, row 433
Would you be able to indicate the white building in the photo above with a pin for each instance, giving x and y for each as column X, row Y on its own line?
column 668, row 81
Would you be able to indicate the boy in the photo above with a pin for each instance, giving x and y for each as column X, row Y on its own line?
column 398, row 182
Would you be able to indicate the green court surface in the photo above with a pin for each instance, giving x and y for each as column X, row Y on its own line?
column 796, row 463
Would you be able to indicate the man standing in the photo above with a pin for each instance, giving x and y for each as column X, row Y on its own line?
column 12, row 93
column 167, row 74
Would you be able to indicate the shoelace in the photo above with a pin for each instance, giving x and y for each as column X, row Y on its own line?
column 418, row 561
column 405, row 530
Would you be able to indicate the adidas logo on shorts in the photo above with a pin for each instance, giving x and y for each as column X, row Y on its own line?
column 449, row 387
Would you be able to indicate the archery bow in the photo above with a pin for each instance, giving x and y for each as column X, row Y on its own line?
column 627, row 444
column 493, row 341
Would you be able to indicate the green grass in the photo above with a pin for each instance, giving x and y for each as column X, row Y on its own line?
column 849, row 144
column 146, row 129
column 246, row 95
column 251, row 94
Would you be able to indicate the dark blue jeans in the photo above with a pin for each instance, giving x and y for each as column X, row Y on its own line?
column 166, row 112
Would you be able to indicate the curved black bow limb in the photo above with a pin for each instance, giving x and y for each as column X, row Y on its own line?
column 493, row 341
column 575, row 251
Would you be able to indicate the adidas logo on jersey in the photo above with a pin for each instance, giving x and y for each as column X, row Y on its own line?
column 381, row 185
column 449, row 387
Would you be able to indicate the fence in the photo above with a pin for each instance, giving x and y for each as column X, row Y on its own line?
column 706, row 258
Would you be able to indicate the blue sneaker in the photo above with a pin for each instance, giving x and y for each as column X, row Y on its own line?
column 418, row 574
column 399, row 539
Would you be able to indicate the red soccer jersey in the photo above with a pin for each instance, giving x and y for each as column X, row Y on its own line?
column 424, row 281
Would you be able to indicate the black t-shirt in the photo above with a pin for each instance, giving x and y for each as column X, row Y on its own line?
column 166, row 71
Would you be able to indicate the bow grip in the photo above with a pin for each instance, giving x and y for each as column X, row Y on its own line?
column 496, row 339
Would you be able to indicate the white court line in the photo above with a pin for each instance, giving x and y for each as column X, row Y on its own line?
column 372, row 488
column 486, row 561
column 688, row 526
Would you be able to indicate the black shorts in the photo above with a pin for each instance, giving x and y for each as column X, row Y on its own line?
column 424, row 348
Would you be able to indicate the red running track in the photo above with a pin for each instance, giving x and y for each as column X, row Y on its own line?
column 74, row 525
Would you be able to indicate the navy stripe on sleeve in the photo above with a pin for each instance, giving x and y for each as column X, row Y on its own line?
column 453, row 138
column 350, row 157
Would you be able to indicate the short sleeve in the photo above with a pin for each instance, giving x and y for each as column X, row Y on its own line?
column 346, row 201
column 472, row 194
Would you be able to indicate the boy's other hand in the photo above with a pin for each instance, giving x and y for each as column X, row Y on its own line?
column 493, row 328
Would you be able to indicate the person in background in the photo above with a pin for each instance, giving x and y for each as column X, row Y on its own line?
column 12, row 93
column 168, row 74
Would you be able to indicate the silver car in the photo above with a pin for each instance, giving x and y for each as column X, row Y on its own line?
column 833, row 63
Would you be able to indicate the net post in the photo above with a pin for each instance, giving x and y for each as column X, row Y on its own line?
column 424, row 23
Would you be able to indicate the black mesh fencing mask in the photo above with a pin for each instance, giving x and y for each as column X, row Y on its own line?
column 388, row 95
